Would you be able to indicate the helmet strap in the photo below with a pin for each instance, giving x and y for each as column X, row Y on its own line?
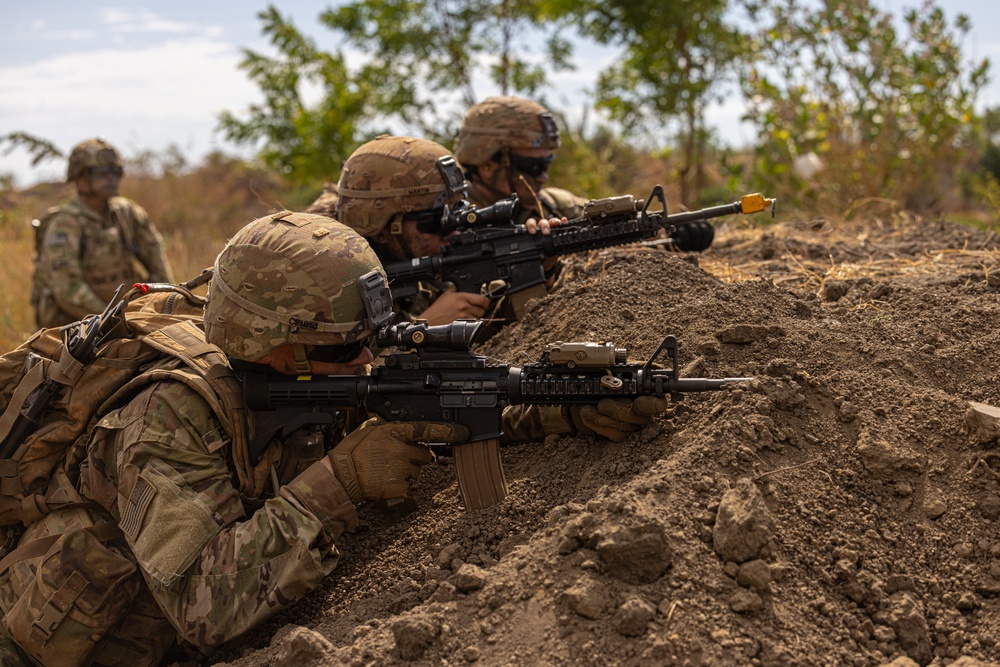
column 302, row 366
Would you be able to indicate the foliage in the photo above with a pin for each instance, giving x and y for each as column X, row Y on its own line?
column 418, row 55
column 301, row 141
column 990, row 162
column 40, row 149
column 420, row 51
column 677, row 58
column 889, row 114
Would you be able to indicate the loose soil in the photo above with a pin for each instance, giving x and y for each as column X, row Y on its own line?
column 839, row 509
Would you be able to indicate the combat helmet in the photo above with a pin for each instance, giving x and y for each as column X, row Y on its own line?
column 89, row 154
column 294, row 278
column 391, row 176
column 499, row 123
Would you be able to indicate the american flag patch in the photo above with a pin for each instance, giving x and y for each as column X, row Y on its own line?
column 138, row 502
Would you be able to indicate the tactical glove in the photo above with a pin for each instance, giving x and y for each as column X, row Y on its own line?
column 617, row 418
column 378, row 460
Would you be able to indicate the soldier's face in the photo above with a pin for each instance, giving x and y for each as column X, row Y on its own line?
column 356, row 366
column 101, row 182
column 282, row 359
column 421, row 243
column 529, row 171
column 534, row 172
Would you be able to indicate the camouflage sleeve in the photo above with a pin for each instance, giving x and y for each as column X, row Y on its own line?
column 148, row 244
column 527, row 423
column 213, row 570
column 325, row 204
column 59, row 262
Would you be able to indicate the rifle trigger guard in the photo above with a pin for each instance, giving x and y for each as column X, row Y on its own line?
column 609, row 381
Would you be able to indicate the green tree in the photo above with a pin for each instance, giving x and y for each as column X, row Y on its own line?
column 305, row 143
column 38, row 148
column 677, row 59
column 427, row 56
column 889, row 114
column 421, row 62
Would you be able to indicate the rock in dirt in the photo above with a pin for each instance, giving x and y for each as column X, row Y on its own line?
column 742, row 525
column 901, row 661
column 469, row 578
column 906, row 617
column 304, row 647
column 745, row 601
column 885, row 459
column 639, row 554
column 983, row 422
column 633, row 616
column 587, row 597
column 413, row 636
column 754, row 574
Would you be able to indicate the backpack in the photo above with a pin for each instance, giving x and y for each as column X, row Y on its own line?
column 56, row 385
column 67, row 577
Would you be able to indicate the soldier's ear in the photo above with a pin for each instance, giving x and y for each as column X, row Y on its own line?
column 487, row 169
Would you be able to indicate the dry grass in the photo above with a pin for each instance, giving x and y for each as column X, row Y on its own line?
column 794, row 262
column 196, row 211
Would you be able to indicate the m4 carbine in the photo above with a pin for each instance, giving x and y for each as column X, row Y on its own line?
column 488, row 247
column 433, row 376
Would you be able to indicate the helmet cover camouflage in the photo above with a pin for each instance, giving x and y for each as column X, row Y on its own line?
column 390, row 176
column 89, row 154
column 294, row 278
column 504, row 122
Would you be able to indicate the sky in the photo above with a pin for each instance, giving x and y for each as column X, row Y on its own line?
column 150, row 74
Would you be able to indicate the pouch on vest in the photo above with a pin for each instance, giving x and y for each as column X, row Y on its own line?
column 81, row 592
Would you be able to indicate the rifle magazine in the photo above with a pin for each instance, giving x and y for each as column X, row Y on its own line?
column 481, row 480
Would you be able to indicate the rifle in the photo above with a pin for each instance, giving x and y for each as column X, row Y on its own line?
column 433, row 376
column 81, row 341
column 488, row 247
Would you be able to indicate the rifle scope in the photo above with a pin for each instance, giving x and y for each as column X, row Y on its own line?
column 469, row 215
column 457, row 336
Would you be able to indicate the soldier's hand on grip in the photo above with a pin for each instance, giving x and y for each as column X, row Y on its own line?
column 453, row 305
column 617, row 418
column 379, row 459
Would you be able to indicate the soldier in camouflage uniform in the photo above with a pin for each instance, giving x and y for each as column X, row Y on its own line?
column 326, row 203
column 218, row 557
column 506, row 145
column 393, row 191
column 89, row 246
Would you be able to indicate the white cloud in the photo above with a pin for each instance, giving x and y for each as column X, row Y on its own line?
column 121, row 20
column 139, row 98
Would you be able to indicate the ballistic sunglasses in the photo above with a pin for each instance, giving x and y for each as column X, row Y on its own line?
column 531, row 166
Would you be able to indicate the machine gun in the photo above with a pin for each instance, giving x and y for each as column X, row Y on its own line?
column 433, row 376
column 488, row 247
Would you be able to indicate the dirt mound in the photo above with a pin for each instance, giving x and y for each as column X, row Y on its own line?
column 841, row 508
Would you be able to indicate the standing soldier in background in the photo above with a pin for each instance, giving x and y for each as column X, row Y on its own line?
column 506, row 145
column 89, row 246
